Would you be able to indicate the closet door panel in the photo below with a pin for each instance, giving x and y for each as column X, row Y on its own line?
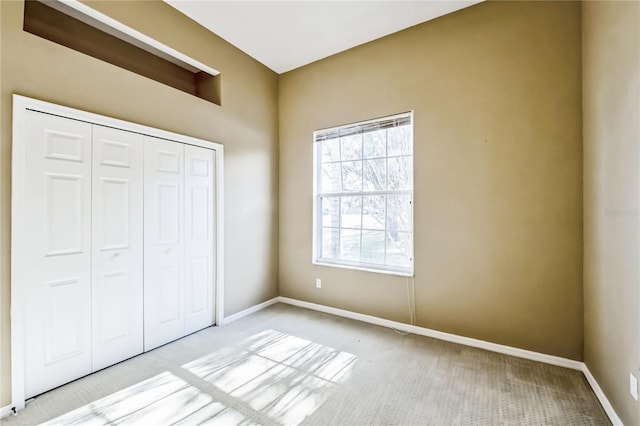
column 117, row 297
column 199, row 239
column 57, row 316
column 164, row 264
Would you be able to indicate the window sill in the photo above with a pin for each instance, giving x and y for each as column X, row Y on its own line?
column 322, row 262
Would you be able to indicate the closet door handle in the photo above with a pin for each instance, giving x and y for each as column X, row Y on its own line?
column 167, row 250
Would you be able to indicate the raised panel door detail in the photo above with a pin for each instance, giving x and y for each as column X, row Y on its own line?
column 169, row 204
column 115, row 213
column 199, row 167
column 57, row 282
column 168, row 162
column 63, row 146
column 200, row 285
column 115, row 154
column 64, row 213
column 200, row 212
column 63, row 327
column 117, row 253
column 113, row 290
column 168, row 293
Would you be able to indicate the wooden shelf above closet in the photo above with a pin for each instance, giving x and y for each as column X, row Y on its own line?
column 79, row 27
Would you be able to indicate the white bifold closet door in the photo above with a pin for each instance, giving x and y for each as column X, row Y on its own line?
column 199, row 242
column 117, row 305
column 57, row 314
column 163, row 242
column 178, row 233
column 121, row 246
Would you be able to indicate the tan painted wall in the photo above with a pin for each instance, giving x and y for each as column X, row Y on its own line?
column 246, row 124
column 611, row 114
column 498, row 172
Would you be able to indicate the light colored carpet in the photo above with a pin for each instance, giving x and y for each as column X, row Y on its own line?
column 286, row 365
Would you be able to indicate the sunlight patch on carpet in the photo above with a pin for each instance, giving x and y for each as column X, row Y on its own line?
column 284, row 377
column 161, row 399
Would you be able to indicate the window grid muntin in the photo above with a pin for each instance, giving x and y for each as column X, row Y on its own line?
column 386, row 231
column 362, row 170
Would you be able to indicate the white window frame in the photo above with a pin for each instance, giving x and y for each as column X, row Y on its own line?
column 317, row 206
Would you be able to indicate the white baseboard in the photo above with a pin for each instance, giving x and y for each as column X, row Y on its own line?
column 494, row 347
column 467, row 341
column 249, row 311
column 5, row 411
column 608, row 408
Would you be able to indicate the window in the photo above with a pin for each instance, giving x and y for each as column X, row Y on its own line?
column 363, row 195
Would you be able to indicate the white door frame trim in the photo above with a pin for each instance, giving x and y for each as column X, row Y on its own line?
column 21, row 105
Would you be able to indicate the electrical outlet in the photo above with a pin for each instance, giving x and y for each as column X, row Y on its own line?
column 633, row 386
column 318, row 283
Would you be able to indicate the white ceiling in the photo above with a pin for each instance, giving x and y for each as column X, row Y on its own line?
column 284, row 35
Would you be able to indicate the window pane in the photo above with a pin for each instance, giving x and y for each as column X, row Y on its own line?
column 351, row 147
column 373, row 247
column 352, row 175
column 399, row 141
column 351, row 212
column 373, row 212
column 400, row 173
column 398, row 249
column 374, row 175
column 399, row 212
column 331, row 178
column 350, row 244
column 331, row 212
column 375, row 144
column 330, row 150
column 330, row 243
